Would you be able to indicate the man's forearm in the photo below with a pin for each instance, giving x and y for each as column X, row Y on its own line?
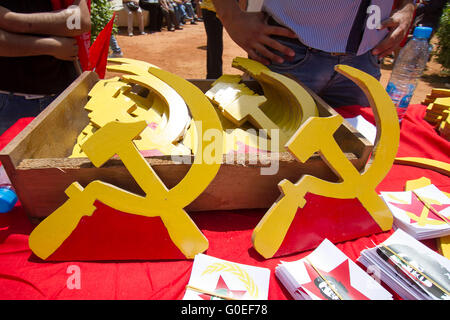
column 407, row 4
column 18, row 45
column 56, row 23
column 226, row 10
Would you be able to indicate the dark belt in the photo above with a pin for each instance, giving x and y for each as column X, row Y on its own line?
column 271, row 21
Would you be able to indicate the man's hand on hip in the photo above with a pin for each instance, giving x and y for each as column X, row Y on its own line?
column 251, row 32
column 398, row 25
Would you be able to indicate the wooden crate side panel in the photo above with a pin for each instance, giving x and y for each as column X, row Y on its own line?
column 228, row 191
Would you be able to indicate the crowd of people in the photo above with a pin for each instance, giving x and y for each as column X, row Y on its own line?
column 171, row 14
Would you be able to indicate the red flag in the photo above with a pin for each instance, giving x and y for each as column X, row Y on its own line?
column 98, row 52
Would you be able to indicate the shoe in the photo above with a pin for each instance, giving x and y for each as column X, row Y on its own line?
column 143, row 33
column 116, row 55
column 193, row 22
column 198, row 19
column 130, row 34
column 178, row 28
column 171, row 29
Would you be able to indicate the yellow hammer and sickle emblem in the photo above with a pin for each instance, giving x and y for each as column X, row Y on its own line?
column 116, row 138
column 316, row 135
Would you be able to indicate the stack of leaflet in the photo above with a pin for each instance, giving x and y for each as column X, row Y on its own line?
column 409, row 268
column 424, row 213
column 328, row 274
column 217, row 279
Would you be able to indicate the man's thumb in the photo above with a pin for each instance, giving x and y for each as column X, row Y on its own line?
column 389, row 22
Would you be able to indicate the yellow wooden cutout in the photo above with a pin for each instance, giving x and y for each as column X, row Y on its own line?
column 284, row 106
column 247, row 108
column 233, row 138
column 425, row 163
column 112, row 109
column 416, row 184
column 150, row 109
column 229, row 78
column 129, row 66
column 179, row 118
column 442, row 103
column 114, row 100
column 288, row 103
column 316, row 135
column 116, row 138
column 129, row 61
column 443, row 244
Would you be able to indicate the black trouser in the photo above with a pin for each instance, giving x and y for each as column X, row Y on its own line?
column 171, row 18
column 155, row 15
column 214, row 43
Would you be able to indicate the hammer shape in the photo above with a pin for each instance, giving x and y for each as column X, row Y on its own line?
column 100, row 147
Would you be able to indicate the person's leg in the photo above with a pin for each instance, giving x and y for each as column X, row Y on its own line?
column 159, row 17
column 130, row 21
column 341, row 91
column 153, row 11
column 197, row 10
column 166, row 17
column 149, row 8
column 178, row 15
column 214, row 44
column 45, row 101
column 140, row 16
column 174, row 20
column 312, row 68
column 184, row 14
column 191, row 13
column 117, row 51
column 13, row 108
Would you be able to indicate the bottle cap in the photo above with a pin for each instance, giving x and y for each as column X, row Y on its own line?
column 8, row 199
column 422, row 32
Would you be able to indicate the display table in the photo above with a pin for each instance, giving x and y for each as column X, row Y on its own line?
column 24, row 276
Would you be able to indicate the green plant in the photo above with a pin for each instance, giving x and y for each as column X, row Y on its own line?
column 101, row 14
column 443, row 36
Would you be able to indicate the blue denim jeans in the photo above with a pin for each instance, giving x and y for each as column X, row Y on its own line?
column 315, row 69
column 12, row 108
column 114, row 45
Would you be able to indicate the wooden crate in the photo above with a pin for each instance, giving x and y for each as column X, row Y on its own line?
column 37, row 164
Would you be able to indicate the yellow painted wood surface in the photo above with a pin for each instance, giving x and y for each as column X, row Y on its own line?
column 282, row 108
column 288, row 104
column 116, row 138
column 425, row 163
column 316, row 135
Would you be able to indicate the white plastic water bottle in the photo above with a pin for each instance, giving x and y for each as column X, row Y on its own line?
column 408, row 68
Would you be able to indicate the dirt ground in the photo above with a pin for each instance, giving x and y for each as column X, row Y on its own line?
column 183, row 52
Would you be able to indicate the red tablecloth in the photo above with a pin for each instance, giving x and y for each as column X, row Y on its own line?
column 22, row 276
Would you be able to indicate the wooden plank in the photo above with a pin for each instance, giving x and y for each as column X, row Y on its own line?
column 226, row 192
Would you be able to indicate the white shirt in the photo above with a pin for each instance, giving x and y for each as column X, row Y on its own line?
column 343, row 26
